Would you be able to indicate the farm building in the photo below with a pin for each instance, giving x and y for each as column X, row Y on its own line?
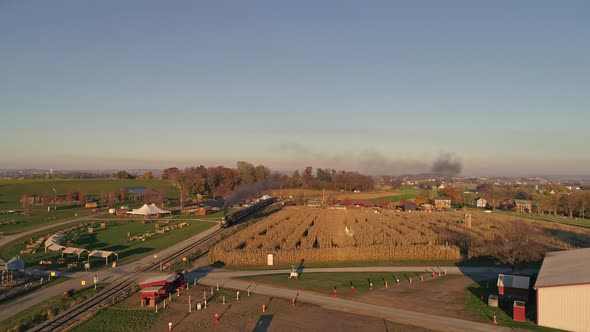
column 15, row 264
column 162, row 285
column 480, row 202
column 426, row 207
column 442, row 203
column 409, row 206
column 523, row 206
column 563, row 290
column 513, row 287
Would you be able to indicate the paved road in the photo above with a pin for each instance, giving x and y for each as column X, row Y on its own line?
column 473, row 272
column 433, row 322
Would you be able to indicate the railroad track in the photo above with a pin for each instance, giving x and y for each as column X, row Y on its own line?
column 121, row 288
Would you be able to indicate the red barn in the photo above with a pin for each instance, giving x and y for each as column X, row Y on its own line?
column 154, row 287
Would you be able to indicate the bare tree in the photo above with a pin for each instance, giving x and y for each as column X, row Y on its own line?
column 27, row 204
column 45, row 200
column 112, row 199
column 520, row 244
column 82, row 197
column 70, row 196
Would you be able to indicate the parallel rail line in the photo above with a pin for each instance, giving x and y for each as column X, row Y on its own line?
column 123, row 286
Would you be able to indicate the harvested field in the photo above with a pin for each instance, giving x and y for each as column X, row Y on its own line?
column 318, row 194
column 317, row 235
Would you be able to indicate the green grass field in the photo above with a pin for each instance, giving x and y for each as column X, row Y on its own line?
column 117, row 318
column 17, row 222
column 37, row 314
column 113, row 238
column 325, row 282
column 402, row 195
column 11, row 190
column 477, row 308
column 546, row 218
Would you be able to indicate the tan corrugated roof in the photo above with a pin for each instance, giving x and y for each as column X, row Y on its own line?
column 570, row 267
column 167, row 278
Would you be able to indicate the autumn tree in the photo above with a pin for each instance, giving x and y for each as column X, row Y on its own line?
column 451, row 192
column 307, row 177
column 261, row 173
column 45, row 200
column 295, row 179
column 584, row 203
column 570, row 203
column 123, row 175
column 246, row 172
column 82, row 197
column 27, row 204
column 168, row 173
column 492, row 193
column 70, row 196
column 146, row 176
column 324, row 175
column 423, row 197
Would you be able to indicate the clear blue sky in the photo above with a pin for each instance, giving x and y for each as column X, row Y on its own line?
column 365, row 85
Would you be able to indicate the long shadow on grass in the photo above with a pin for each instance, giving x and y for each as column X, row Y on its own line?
column 116, row 248
column 135, row 251
column 263, row 323
column 483, row 288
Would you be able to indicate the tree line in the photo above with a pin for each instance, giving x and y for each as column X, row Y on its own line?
column 221, row 181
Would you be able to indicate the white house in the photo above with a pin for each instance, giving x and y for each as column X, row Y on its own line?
column 480, row 202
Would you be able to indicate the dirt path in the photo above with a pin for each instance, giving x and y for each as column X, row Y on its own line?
column 407, row 317
column 246, row 315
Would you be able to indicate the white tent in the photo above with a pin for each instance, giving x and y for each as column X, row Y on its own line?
column 148, row 210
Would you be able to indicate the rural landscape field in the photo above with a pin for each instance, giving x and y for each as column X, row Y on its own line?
column 310, row 166
column 298, row 234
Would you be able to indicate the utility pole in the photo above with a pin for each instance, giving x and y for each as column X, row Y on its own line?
column 54, row 199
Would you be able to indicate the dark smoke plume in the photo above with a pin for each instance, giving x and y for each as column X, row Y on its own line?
column 249, row 191
column 447, row 164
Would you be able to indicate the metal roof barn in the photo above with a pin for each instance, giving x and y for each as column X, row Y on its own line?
column 563, row 290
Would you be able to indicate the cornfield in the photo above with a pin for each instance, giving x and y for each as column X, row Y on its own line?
column 315, row 235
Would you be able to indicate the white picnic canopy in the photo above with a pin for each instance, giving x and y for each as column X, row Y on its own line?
column 148, row 210
column 102, row 254
column 52, row 243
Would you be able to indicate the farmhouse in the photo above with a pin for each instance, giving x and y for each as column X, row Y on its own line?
column 442, row 203
column 523, row 206
column 480, row 202
column 563, row 290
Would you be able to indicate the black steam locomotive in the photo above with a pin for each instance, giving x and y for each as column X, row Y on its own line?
column 232, row 218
